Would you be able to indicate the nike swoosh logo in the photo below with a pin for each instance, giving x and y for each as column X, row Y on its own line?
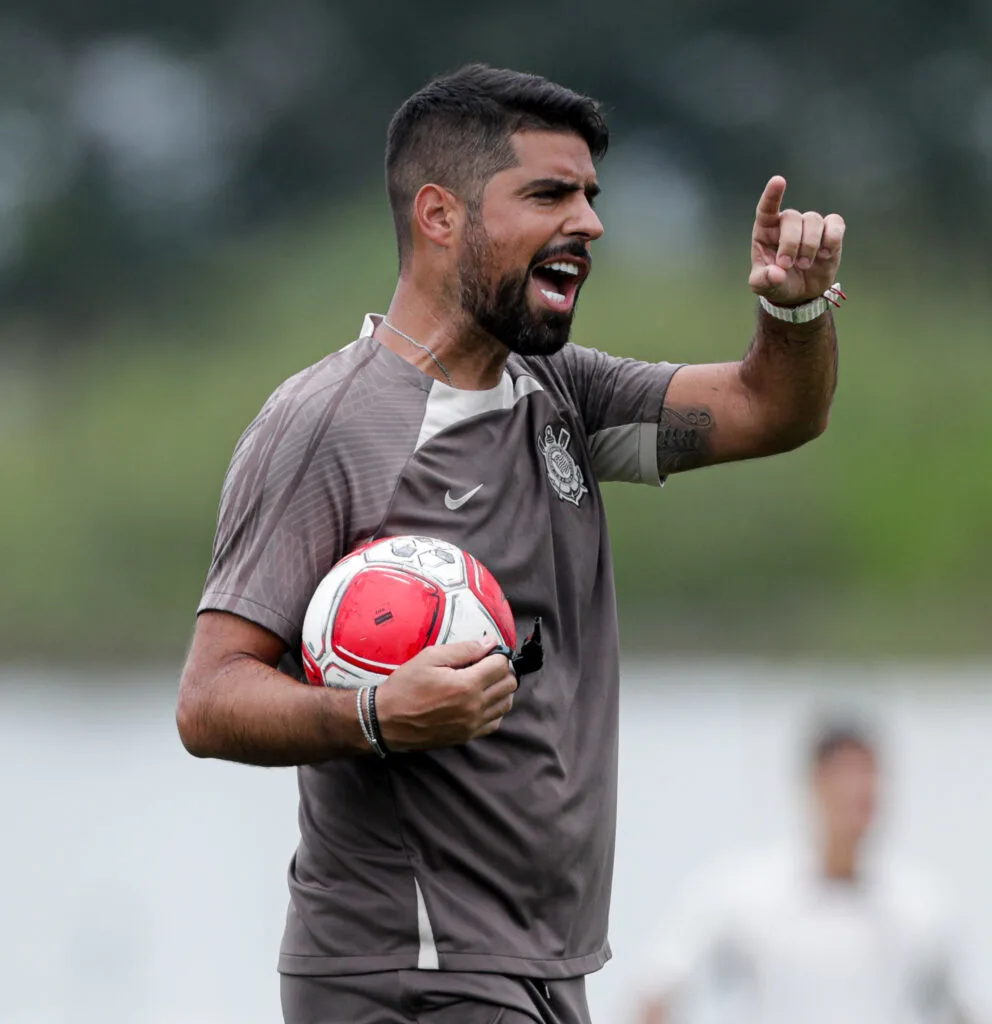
column 455, row 503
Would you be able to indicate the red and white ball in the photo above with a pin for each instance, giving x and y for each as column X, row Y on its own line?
column 388, row 600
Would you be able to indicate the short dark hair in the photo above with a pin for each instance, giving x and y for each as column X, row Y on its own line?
column 835, row 732
column 455, row 132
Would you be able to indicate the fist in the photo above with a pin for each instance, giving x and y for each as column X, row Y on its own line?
column 794, row 256
column 445, row 695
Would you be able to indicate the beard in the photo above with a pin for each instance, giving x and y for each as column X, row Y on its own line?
column 501, row 308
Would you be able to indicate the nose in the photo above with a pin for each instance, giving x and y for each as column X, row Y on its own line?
column 584, row 222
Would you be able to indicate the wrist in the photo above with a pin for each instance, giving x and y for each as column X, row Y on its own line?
column 338, row 724
column 379, row 745
column 804, row 312
column 365, row 712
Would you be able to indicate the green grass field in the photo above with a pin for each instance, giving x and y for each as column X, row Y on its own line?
column 876, row 540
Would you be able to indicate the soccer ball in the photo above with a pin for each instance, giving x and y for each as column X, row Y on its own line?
column 388, row 600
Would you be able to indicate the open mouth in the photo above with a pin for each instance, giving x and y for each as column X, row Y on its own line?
column 558, row 280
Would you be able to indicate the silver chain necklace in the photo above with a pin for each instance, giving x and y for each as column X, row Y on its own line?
column 440, row 365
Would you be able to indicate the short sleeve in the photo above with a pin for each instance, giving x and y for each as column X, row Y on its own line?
column 621, row 402
column 282, row 521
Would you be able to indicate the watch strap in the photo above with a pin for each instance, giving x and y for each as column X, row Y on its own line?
column 807, row 311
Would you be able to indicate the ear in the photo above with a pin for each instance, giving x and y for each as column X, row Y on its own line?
column 438, row 215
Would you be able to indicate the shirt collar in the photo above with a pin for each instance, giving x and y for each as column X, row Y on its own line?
column 370, row 323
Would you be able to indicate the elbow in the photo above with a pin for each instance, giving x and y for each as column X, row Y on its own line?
column 811, row 430
column 818, row 426
column 786, row 437
column 189, row 722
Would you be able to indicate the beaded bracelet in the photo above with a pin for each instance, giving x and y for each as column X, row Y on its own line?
column 365, row 704
column 380, row 748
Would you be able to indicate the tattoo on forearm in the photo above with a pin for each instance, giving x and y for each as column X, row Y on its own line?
column 684, row 437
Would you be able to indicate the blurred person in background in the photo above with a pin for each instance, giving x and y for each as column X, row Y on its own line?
column 826, row 932
column 467, row 875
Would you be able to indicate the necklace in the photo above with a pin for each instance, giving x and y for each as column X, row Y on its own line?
column 440, row 365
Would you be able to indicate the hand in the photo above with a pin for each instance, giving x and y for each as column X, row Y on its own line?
column 794, row 256
column 445, row 695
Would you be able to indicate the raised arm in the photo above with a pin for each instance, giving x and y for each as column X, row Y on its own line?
column 778, row 396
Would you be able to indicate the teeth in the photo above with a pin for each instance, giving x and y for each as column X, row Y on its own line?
column 564, row 268
column 552, row 296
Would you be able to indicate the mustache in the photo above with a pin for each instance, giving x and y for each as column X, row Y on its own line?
column 551, row 252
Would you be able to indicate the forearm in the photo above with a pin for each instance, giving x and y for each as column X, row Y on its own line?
column 789, row 375
column 775, row 399
column 249, row 712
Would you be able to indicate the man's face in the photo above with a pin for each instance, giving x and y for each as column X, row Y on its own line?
column 526, row 250
column 846, row 787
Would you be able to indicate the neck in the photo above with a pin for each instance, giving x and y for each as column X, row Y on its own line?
column 840, row 858
column 474, row 359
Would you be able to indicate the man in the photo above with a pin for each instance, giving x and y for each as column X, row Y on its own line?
column 468, row 874
column 825, row 933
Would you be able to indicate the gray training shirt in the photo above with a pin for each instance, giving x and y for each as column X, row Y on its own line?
column 494, row 856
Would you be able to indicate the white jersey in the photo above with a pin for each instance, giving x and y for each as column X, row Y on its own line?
column 765, row 938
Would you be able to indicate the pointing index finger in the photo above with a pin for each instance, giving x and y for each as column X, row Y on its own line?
column 770, row 202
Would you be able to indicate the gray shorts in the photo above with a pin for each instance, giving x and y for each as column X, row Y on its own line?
column 432, row 997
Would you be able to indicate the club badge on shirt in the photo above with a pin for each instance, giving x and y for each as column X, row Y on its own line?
column 563, row 470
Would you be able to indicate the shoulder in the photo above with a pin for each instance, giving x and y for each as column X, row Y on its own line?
column 567, row 376
column 549, row 372
column 344, row 387
column 563, row 366
column 314, row 384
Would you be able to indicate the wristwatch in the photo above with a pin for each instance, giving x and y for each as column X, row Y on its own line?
column 806, row 312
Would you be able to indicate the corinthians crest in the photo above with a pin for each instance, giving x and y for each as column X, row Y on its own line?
column 563, row 470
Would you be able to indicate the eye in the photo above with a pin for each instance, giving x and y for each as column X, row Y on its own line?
column 548, row 195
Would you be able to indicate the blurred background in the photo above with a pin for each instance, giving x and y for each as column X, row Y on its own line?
column 192, row 208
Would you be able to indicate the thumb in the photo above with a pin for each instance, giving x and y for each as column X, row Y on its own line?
column 456, row 655
column 764, row 277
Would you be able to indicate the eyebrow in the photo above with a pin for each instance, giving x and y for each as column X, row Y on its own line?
column 560, row 185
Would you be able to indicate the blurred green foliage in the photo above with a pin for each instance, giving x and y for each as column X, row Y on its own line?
column 876, row 540
column 132, row 133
